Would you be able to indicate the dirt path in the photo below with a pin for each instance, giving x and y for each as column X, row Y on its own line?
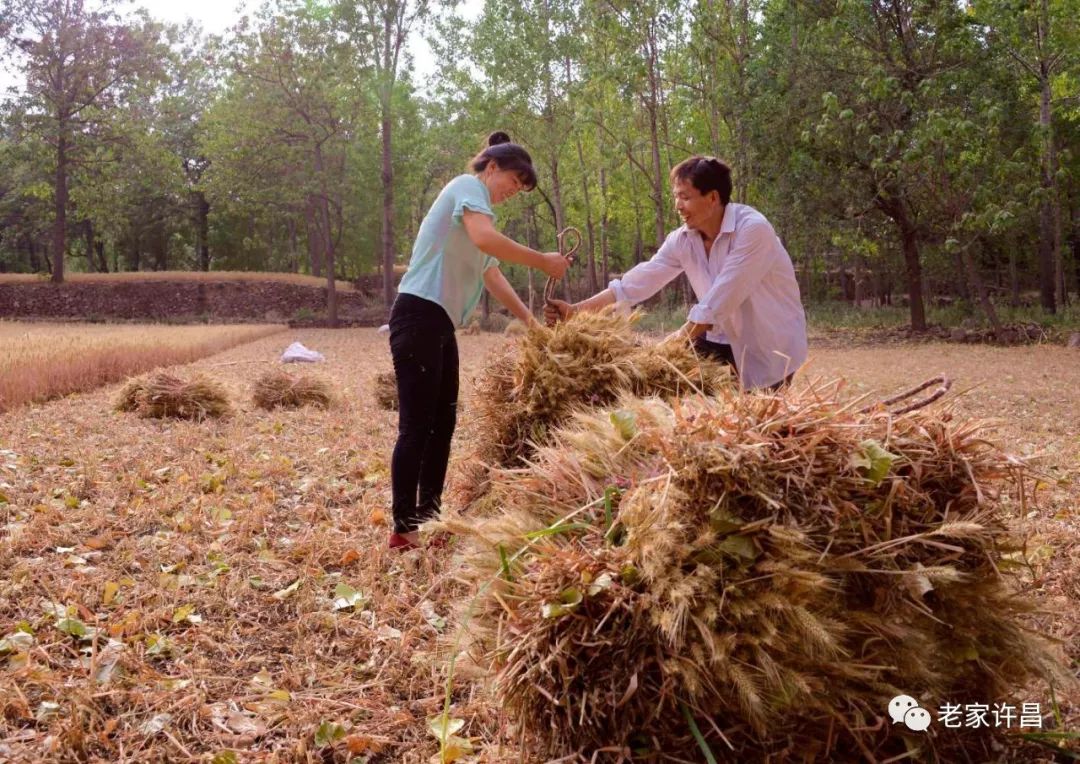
column 1034, row 391
column 131, row 522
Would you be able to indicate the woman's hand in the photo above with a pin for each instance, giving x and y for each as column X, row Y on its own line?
column 556, row 311
column 553, row 264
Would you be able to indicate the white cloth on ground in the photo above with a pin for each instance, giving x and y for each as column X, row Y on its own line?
column 297, row 353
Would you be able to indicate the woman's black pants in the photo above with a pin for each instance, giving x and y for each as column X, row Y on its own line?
column 425, row 355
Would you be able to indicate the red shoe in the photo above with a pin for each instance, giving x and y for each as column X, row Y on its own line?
column 399, row 542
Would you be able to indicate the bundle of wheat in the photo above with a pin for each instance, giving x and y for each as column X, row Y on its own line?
column 535, row 383
column 163, row 395
column 386, row 390
column 386, row 393
column 779, row 566
column 279, row 389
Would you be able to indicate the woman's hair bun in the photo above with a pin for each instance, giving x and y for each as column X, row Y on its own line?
column 498, row 137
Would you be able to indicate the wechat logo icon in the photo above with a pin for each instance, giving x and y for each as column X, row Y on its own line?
column 904, row 708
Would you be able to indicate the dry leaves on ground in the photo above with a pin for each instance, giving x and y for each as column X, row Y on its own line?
column 172, row 590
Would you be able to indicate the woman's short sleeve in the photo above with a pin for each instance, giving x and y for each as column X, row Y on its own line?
column 470, row 194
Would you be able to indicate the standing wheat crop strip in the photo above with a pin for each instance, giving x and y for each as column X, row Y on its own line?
column 45, row 361
column 198, row 276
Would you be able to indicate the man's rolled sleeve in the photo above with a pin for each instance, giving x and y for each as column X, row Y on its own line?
column 701, row 314
column 646, row 279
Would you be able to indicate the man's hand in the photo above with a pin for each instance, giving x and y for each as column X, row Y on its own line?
column 556, row 311
column 553, row 264
column 688, row 332
column 693, row 331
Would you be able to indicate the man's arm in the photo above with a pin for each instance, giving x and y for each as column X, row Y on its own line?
column 637, row 285
column 560, row 310
column 500, row 288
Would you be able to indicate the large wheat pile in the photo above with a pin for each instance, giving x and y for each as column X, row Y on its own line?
column 758, row 575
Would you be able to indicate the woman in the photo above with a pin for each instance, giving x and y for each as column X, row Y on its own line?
column 455, row 257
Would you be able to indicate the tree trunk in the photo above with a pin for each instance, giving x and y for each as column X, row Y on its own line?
column 88, row 237
column 59, row 233
column 134, row 251
column 32, row 254
column 605, row 243
column 639, row 242
column 711, row 79
column 591, row 272
column 421, row 207
column 1014, row 279
column 913, row 267
column 654, row 141
column 743, row 170
column 202, row 230
column 1049, row 246
column 963, row 286
column 856, row 283
column 294, row 248
column 533, row 235
column 896, row 209
column 328, row 240
column 388, row 198
column 1074, row 242
column 314, row 238
column 160, row 244
column 978, row 288
column 556, row 193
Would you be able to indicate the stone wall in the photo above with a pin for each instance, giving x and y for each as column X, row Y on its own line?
column 216, row 301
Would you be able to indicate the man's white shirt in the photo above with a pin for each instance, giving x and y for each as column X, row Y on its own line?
column 746, row 290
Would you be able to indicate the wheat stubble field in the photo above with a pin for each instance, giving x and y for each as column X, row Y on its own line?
column 220, row 591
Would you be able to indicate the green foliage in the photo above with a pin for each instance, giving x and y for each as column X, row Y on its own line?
column 841, row 315
column 853, row 134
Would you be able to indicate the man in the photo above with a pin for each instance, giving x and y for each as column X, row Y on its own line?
column 749, row 313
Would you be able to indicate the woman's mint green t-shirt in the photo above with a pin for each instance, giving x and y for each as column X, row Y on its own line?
column 446, row 267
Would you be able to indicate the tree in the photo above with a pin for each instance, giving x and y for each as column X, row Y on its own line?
column 385, row 25
column 25, row 196
column 885, row 70
column 1040, row 38
column 77, row 62
column 189, row 90
column 304, row 73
